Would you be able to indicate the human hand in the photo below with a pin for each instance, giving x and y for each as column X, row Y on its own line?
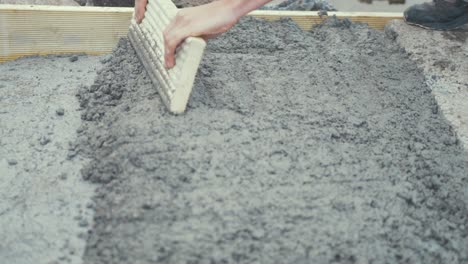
column 140, row 8
column 205, row 21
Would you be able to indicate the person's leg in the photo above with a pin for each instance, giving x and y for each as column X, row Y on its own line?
column 439, row 14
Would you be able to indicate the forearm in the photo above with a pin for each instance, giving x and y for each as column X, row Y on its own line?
column 242, row 7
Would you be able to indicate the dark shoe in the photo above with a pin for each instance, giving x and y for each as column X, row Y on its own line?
column 438, row 15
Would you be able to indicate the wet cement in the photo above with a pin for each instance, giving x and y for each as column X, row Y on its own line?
column 300, row 5
column 45, row 206
column 374, row 5
column 443, row 56
column 322, row 147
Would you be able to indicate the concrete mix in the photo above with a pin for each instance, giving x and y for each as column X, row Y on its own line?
column 321, row 147
column 443, row 57
column 300, row 5
column 45, row 206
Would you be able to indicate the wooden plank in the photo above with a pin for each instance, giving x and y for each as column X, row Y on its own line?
column 40, row 30
column 307, row 19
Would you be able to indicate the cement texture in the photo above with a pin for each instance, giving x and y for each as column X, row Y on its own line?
column 322, row 147
column 443, row 56
column 45, row 206
column 300, row 5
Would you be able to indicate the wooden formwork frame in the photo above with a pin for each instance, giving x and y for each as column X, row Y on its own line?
column 41, row 30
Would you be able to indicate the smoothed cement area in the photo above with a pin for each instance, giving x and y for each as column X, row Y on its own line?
column 45, row 206
column 322, row 147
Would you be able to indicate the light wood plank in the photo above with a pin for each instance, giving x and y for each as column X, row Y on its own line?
column 306, row 20
column 40, row 30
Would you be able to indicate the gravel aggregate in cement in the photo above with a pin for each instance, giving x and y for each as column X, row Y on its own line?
column 60, row 111
column 321, row 147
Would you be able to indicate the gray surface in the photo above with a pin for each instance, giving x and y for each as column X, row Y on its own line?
column 296, row 148
column 444, row 58
column 300, row 5
column 374, row 6
column 42, row 197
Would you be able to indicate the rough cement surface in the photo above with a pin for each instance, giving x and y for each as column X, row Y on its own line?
column 444, row 58
column 322, row 147
column 300, row 5
column 43, row 200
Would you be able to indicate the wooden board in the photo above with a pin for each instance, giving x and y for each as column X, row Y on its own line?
column 41, row 30
column 307, row 19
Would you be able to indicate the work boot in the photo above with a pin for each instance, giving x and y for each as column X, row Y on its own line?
column 439, row 14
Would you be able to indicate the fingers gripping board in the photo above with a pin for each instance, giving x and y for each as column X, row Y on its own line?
column 174, row 85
